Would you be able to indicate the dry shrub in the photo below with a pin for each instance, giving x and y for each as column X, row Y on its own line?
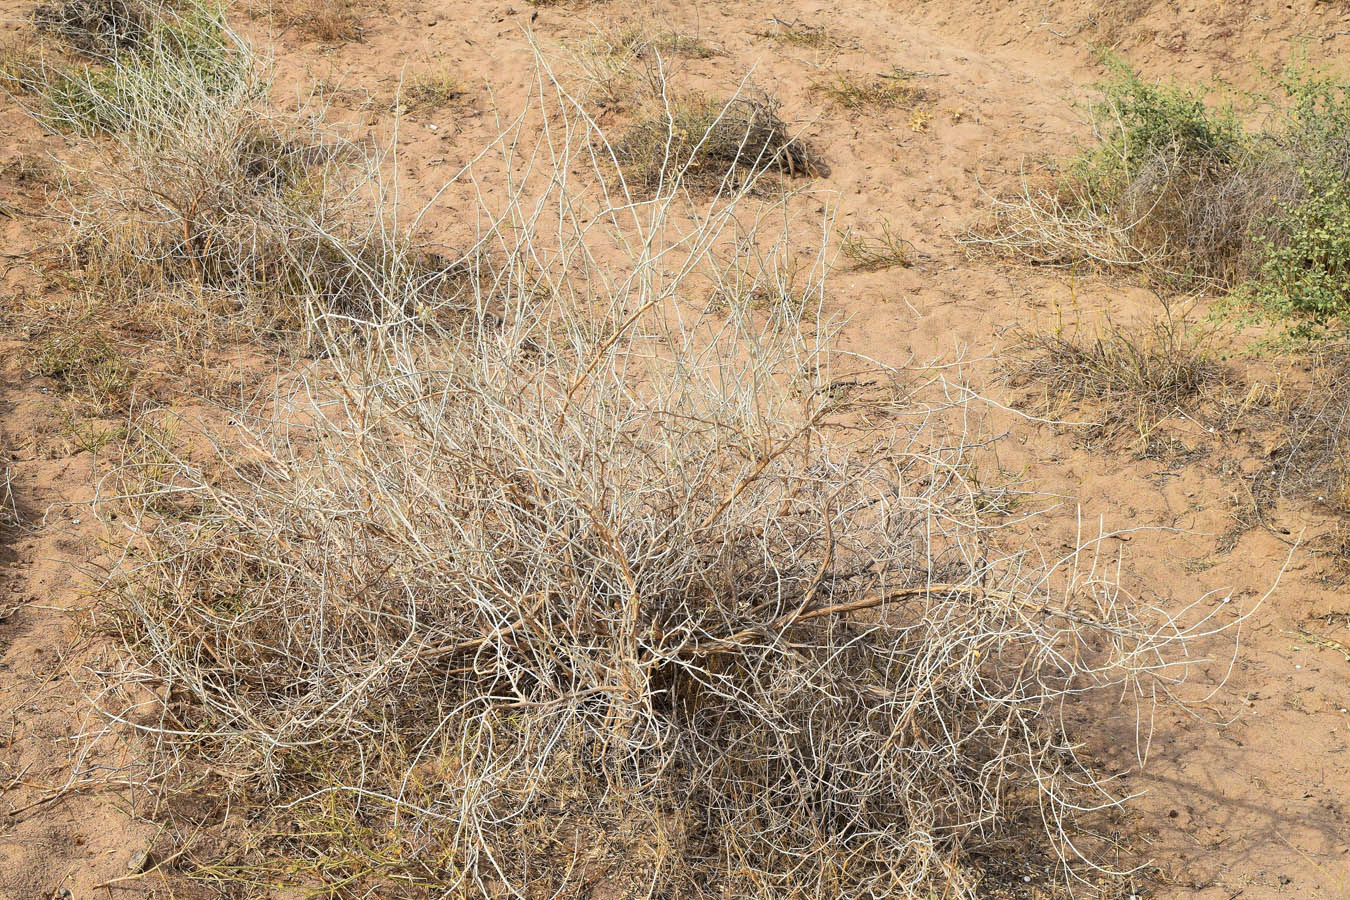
column 99, row 28
column 9, row 507
column 329, row 21
column 1313, row 460
column 183, row 55
column 712, row 145
column 604, row 595
column 1177, row 219
column 236, row 209
column 1134, row 378
column 618, row 62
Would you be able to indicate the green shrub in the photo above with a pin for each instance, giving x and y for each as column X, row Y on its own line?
column 1136, row 120
column 1305, row 270
column 1304, row 248
column 1183, row 191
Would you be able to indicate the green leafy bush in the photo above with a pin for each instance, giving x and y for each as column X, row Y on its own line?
column 1137, row 120
column 1182, row 190
column 1304, row 248
column 1305, row 271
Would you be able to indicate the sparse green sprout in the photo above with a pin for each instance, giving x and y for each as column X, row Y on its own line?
column 871, row 254
column 896, row 89
column 431, row 90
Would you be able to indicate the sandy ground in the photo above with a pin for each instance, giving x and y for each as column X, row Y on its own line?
column 1252, row 808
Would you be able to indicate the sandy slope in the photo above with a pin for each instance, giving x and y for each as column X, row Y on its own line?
column 1253, row 808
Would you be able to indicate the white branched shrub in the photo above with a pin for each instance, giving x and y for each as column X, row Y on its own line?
column 613, row 576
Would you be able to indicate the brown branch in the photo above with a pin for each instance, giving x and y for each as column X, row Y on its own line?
column 792, row 618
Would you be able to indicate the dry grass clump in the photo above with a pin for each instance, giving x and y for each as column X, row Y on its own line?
column 712, row 145
column 603, row 595
column 675, row 43
column 430, row 89
column 802, row 34
column 87, row 363
column 1112, row 21
column 1130, row 378
column 644, row 40
column 895, row 90
column 329, row 21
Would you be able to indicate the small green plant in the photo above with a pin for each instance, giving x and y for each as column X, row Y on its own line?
column 429, row 90
column 870, row 254
column 891, row 91
column 1305, row 268
column 1136, row 119
column 1304, row 248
